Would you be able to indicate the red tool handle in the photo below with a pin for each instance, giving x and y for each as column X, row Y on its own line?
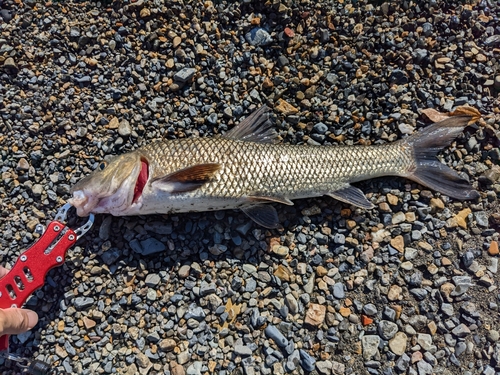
column 28, row 274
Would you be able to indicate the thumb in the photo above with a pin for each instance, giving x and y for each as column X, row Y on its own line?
column 14, row 321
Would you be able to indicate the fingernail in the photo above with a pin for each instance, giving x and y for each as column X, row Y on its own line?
column 32, row 318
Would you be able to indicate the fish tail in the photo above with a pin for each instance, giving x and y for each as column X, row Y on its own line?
column 427, row 169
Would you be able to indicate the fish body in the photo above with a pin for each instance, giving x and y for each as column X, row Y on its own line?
column 246, row 169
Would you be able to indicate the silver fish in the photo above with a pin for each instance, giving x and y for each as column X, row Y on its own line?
column 245, row 169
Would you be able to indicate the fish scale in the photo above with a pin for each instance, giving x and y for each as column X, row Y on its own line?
column 266, row 169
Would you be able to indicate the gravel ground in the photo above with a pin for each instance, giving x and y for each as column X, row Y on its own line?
column 407, row 287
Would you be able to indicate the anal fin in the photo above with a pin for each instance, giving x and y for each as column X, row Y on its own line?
column 187, row 179
column 352, row 195
column 263, row 214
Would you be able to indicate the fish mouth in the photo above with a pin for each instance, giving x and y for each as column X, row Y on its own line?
column 117, row 202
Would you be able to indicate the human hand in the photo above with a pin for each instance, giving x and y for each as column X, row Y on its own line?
column 13, row 320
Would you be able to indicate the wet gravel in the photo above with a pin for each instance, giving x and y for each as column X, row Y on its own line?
column 407, row 287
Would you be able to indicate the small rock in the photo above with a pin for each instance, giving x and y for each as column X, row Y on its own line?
column 81, row 303
column 370, row 345
column 425, row 341
column 387, row 329
column 10, row 66
column 398, row 218
column 152, row 246
column 338, row 291
column 184, row 75
column 88, row 323
column 394, row 293
column 273, row 333
column 398, row 343
column 124, row 128
column 493, row 249
column 493, row 335
column 370, row 309
column 280, row 250
column 398, row 243
column 22, row 165
column 315, row 315
column 152, row 280
column 324, row 367
column 242, row 350
column 258, row 37
column 167, row 345
column 461, row 330
column 184, row 271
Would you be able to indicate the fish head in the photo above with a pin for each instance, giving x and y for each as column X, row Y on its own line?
column 113, row 187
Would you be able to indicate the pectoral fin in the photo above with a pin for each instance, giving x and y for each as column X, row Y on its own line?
column 187, row 179
column 352, row 195
column 262, row 214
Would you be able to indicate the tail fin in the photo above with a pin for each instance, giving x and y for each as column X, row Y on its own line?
column 429, row 171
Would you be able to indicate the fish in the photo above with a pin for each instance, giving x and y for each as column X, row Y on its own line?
column 247, row 168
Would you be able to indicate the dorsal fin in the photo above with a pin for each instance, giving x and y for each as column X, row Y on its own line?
column 255, row 128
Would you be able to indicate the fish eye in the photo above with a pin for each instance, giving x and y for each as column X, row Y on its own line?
column 102, row 165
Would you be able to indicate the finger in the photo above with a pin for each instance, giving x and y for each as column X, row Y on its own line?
column 14, row 321
column 3, row 271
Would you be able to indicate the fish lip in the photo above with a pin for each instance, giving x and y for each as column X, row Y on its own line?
column 83, row 203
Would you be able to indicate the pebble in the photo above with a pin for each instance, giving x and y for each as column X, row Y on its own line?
column 425, row 341
column 387, row 329
column 398, row 343
column 124, row 128
column 258, row 37
column 370, row 345
column 493, row 248
column 184, row 75
column 273, row 333
column 151, row 246
column 338, row 291
column 10, row 65
column 315, row 315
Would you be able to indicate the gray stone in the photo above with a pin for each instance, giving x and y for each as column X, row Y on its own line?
column 307, row 362
column 195, row 368
column 424, row 368
column 447, row 309
column 124, row 128
column 481, row 218
column 402, row 363
column 370, row 345
column 461, row 330
column 258, row 37
column 195, row 312
column 292, row 304
column 184, row 75
column 320, row 128
column 152, row 246
column 152, row 280
column 387, row 329
column 81, row 303
column 370, row 309
column 324, row 367
column 493, row 335
column 338, row 291
column 425, row 341
column 242, row 350
column 274, row 333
